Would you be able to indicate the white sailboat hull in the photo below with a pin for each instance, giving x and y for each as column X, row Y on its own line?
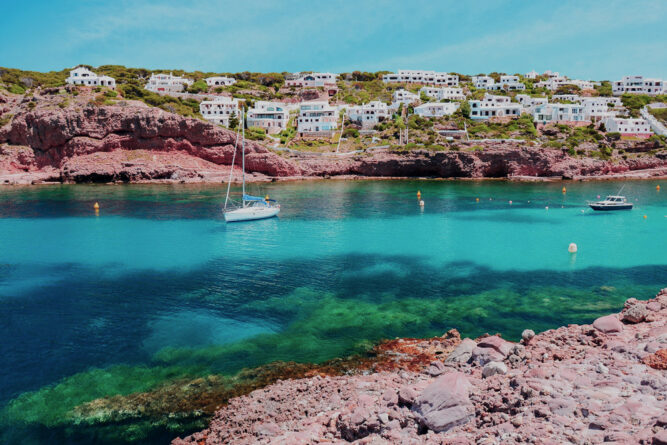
column 251, row 213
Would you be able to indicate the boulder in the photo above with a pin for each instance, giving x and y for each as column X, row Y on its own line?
column 491, row 349
column 436, row 368
column 608, row 324
column 493, row 368
column 658, row 360
column 635, row 313
column 660, row 438
column 502, row 346
column 463, row 352
column 445, row 403
column 407, row 396
column 527, row 335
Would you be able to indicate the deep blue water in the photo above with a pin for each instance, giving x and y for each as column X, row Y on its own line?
column 158, row 282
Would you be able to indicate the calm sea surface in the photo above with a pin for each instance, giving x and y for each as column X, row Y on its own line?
column 157, row 287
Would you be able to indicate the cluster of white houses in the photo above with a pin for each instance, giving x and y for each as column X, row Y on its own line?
column 440, row 93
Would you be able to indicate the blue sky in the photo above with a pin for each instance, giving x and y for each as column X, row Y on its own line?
column 584, row 38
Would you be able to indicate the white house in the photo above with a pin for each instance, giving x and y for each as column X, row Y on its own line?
column 554, row 82
column 628, row 127
column 639, row 85
column 370, row 114
column 167, row 83
column 317, row 118
column 83, row 76
column 546, row 113
column 532, row 75
column 529, row 103
column 551, row 74
column 424, row 77
column 493, row 106
column 403, row 97
column 483, row 82
column 271, row 116
column 310, row 80
column 220, row 109
column 507, row 83
column 219, row 81
column 566, row 97
column 443, row 93
column 600, row 108
column 437, row 109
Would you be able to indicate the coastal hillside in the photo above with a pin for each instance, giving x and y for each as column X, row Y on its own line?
column 75, row 134
column 579, row 384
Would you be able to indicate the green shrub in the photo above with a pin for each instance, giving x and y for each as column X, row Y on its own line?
column 110, row 94
column 5, row 119
column 351, row 133
column 255, row 133
column 614, row 136
column 198, row 87
column 16, row 89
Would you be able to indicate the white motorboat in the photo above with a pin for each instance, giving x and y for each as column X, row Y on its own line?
column 251, row 207
column 611, row 202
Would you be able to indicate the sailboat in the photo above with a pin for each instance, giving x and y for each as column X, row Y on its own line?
column 250, row 207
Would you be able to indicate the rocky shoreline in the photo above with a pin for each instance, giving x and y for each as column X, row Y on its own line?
column 42, row 141
column 582, row 384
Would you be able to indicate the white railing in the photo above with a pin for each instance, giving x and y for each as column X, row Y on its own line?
column 655, row 124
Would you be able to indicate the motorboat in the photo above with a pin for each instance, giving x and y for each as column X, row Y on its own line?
column 251, row 207
column 611, row 202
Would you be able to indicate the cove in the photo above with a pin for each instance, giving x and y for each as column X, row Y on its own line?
column 157, row 289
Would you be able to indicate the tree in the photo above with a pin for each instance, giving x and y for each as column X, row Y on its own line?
column 198, row 87
column 233, row 121
column 465, row 109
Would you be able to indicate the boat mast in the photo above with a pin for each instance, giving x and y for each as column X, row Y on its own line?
column 231, row 170
column 243, row 151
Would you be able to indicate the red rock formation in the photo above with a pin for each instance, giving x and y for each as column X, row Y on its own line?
column 576, row 384
column 56, row 137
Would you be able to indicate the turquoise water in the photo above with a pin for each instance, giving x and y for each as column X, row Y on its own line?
column 157, row 288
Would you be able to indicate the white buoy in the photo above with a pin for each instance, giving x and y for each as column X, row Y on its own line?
column 572, row 248
column 421, row 203
column 547, row 207
column 510, row 202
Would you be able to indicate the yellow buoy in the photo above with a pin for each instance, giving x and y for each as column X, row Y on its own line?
column 476, row 199
column 644, row 216
column 266, row 197
column 572, row 248
column 96, row 206
column 564, row 190
column 419, row 194
column 657, row 187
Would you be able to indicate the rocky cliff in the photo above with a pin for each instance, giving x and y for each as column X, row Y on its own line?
column 125, row 142
column 46, row 138
column 588, row 384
